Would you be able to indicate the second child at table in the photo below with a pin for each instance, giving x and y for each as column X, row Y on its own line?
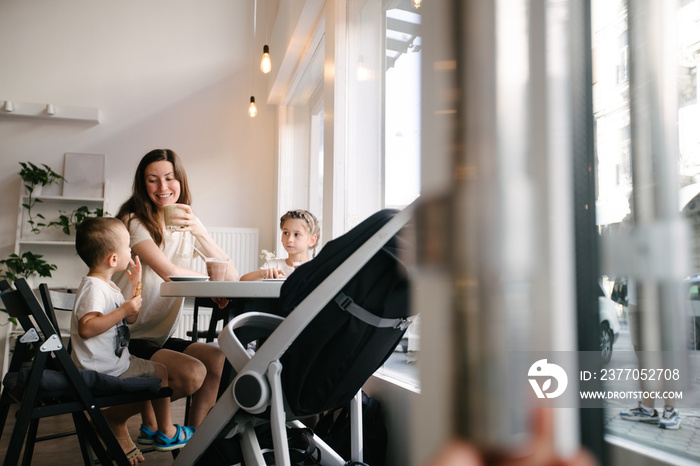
column 300, row 232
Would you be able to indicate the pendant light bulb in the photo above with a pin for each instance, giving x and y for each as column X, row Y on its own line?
column 266, row 63
column 416, row 3
column 252, row 109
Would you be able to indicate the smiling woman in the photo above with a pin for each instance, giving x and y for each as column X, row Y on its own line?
column 160, row 179
column 193, row 368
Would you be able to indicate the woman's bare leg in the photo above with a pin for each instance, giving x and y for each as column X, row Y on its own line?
column 186, row 374
column 196, row 372
column 204, row 399
column 116, row 417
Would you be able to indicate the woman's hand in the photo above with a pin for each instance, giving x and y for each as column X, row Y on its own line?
column 135, row 276
column 221, row 302
column 186, row 219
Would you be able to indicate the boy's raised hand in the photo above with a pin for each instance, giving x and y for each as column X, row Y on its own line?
column 135, row 277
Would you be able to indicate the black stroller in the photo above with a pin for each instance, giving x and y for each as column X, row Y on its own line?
column 340, row 317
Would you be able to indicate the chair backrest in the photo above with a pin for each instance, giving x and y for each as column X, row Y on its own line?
column 23, row 318
column 23, row 304
column 325, row 366
column 55, row 300
column 5, row 285
column 20, row 350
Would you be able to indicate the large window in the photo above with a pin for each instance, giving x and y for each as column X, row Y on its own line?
column 402, row 105
column 363, row 159
column 624, row 203
column 383, row 133
column 352, row 145
column 383, row 152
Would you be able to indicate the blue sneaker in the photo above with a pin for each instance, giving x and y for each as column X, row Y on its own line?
column 638, row 414
column 670, row 420
column 146, row 437
column 162, row 442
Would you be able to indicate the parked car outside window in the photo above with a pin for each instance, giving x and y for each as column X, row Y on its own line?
column 608, row 325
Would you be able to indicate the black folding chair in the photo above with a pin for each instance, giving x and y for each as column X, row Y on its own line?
column 42, row 392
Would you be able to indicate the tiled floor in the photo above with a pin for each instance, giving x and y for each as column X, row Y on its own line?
column 66, row 452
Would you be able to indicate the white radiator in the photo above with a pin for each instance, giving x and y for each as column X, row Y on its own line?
column 184, row 324
column 241, row 245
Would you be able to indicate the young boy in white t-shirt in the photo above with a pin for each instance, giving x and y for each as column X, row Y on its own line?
column 99, row 332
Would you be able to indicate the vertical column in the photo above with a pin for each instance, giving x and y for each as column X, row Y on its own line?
column 658, row 251
column 493, row 222
column 513, row 202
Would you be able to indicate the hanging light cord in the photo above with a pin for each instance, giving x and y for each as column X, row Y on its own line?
column 252, row 53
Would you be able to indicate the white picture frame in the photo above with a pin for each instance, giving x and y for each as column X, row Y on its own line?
column 85, row 175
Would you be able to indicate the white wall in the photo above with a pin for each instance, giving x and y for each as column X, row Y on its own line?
column 163, row 73
column 397, row 407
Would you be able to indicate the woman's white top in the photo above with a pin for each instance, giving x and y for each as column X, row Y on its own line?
column 158, row 317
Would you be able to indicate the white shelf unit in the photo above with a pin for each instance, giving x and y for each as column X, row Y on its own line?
column 25, row 242
column 52, row 243
column 56, row 248
column 38, row 111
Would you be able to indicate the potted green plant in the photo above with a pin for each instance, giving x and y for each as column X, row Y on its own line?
column 35, row 178
column 27, row 265
column 67, row 220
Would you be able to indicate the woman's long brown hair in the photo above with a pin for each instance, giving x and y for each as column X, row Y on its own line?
column 141, row 205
